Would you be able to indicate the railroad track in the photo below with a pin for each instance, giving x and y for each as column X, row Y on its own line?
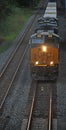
column 10, row 70
column 42, row 114
column 8, row 73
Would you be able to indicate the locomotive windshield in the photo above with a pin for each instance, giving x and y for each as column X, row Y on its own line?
column 45, row 39
column 37, row 40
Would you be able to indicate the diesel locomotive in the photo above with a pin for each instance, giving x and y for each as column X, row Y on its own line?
column 44, row 46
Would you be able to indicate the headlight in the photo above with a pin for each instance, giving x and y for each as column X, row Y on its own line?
column 44, row 48
column 37, row 62
column 51, row 63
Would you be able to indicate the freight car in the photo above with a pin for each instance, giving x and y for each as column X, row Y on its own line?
column 44, row 46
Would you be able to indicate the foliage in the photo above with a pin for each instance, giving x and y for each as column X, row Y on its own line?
column 6, row 5
column 12, row 25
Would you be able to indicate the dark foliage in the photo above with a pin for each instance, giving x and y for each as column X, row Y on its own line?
column 5, row 5
column 25, row 2
column 4, row 8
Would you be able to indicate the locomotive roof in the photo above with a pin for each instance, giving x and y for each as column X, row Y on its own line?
column 47, row 18
column 46, row 24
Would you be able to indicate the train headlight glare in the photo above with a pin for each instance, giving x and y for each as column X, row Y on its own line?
column 51, row 63
column 44, row 48
column 37, row 62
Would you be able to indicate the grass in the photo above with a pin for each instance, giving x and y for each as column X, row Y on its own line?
column 13, row 24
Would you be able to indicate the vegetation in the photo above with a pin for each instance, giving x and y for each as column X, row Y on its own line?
column 13, row 16
column 11, row 26
column 6, row 5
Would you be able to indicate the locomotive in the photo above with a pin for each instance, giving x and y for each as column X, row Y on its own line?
column 44, row 46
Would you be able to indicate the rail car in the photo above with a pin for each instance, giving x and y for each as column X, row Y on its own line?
column 44, row 46
column 51, row 10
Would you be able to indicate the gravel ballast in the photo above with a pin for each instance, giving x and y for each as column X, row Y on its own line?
column 61, row 84
column 15, row 105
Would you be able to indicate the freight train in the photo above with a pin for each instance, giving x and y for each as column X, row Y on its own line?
column 44, row 46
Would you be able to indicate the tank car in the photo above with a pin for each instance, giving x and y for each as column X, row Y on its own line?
column 44, row 56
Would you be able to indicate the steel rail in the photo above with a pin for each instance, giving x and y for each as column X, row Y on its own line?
column 31, row 110
column 13, row 78
column 9, row 86
column 50, row 113
column 16, row 49
column 8, row 77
